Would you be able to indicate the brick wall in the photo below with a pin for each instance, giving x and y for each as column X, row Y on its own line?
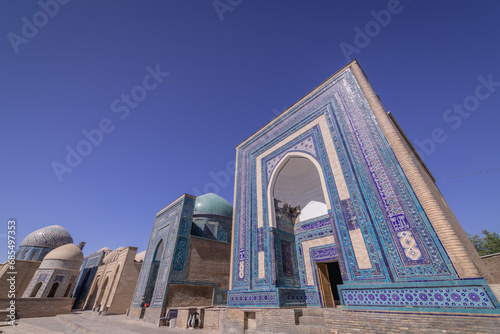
column 189, row 295
column 367, row 322
column 275, row 321
column 492, row 263
column 345, row 322
column 149, row 314
column 39, row 307
column 25, row 271
column 209, row 261
column 126, row 281
column 212, row 319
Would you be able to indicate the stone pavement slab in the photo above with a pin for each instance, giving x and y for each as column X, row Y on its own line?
column 87, row 322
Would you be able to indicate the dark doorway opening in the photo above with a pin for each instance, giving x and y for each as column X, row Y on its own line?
column 335, row 279
column 329, row 277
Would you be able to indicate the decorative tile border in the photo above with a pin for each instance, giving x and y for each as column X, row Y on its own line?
column 279, row 298
column 431, row 298
column 299, row 298
column 252, row 299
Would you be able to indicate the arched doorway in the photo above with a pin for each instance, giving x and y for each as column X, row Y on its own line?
column 68, row 290
column 109, row 297
column 53, row 290
column 101, row 294
column 91, row 299
column 300, row 198
column 80, row 289
column 35, row 289
column 153, row 274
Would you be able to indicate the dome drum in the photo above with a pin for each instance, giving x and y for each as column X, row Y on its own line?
column 60, row 264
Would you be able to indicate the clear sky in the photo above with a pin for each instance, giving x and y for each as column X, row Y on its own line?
column 167, row 89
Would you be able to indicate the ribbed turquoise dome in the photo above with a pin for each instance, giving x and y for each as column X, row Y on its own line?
column 212, row 204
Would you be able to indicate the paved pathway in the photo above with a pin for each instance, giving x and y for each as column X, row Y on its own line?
column 87, row 322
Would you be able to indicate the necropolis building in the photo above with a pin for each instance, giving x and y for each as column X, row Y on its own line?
column 187, row 261
column 333, row 205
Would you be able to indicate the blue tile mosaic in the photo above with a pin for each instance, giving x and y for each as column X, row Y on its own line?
column 443, row 297
column 401, row 244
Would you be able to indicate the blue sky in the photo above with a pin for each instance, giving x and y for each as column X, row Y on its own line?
column 174, row 86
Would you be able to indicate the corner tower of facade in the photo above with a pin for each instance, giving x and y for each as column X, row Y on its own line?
column 333, row 206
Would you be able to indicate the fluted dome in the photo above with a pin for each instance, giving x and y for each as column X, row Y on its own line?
column 212, row 204
column 68, row 252
column 50, row 236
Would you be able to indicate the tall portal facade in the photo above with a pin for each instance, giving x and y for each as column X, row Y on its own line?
column 334, row 206
column 186, row 263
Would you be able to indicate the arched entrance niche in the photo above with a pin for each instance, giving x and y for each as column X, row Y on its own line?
column 68, row 290
column 36, row 289
column 298, row 180
column 81, row 288
column 101, row 293
column 298, row 201
column 153, row 274
column 109, row 296
column 90, row 305
column 297, row 193
column 53, row 290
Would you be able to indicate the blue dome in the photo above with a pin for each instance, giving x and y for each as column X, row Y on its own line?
column 50, row 237
column 212, row 204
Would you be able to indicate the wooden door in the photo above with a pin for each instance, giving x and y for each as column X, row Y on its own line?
column 325, row 286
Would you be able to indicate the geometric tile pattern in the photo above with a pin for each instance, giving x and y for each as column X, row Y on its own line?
column 306, row 145
column 281, row 298
column 399, row 243
column 410, row 246
column 298, row 298
column 50, row 236
column 440, row 297
column 257, row 299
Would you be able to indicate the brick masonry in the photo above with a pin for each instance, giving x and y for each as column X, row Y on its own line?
column 39, row 307
column 180, row 295
column 370, row 322
column 208, row 261
column 317, row 320
column 212, row 319
column 492, row 263
column 25, row 271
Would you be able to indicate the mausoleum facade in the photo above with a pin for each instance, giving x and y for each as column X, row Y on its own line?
column 187, row 260
column 334, row 206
